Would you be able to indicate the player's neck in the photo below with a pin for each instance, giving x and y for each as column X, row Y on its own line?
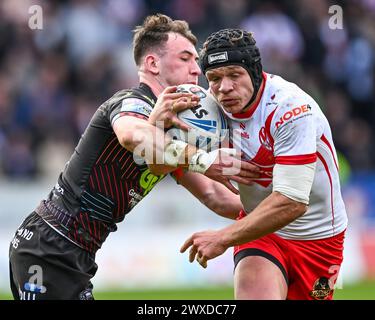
column 153, row 82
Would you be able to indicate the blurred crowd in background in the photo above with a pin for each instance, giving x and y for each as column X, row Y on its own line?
column 52, row 80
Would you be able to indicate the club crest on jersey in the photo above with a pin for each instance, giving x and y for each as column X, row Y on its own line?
column 244, row 134
column 322, row 289
column 264, row 139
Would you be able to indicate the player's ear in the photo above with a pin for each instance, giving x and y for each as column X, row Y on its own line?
column 152, row 64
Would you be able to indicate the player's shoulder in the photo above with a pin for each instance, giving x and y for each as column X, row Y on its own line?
column 284, row 93
column 132, row 95
column 142, row 92
column 287, row 95
column 292, row 105
column 136, row 100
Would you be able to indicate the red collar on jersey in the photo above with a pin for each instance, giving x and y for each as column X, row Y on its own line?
column 250, row 112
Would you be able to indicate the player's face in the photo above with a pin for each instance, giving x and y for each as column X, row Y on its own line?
column 179, row 64
column 232, row 87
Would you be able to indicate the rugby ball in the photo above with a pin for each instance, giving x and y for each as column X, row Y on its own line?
column 207, row 121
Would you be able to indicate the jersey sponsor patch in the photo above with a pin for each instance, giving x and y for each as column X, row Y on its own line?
column 136, row 105
column 132, row 114
column 148, row 181
column 133, row 107
column 294, row 114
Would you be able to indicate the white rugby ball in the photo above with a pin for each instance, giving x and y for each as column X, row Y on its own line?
column 207, row 121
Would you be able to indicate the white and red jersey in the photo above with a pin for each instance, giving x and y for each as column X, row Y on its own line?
column 288, row 127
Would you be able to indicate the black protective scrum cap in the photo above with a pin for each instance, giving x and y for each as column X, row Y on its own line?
column 233, row 47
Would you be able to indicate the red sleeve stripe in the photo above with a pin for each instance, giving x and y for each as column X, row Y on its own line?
column 300, row 159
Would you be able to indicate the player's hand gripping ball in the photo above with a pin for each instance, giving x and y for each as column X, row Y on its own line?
column 207, row 121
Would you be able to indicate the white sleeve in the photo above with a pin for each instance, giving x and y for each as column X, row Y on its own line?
column 294, row 130
column 294, row 181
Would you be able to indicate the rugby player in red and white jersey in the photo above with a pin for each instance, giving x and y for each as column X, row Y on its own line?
column 52, row 255
column 288, row 241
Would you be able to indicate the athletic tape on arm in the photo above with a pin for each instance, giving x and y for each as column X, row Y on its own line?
column 294, row 181
column 173, row 152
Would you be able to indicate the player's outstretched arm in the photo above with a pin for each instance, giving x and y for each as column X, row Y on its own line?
column 228, row 166
column 140, row 137
column 272, row 214
column 164, row 155
column 151, row 143
column 288, row 201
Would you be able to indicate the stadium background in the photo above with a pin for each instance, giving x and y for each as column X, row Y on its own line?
column 52, row 80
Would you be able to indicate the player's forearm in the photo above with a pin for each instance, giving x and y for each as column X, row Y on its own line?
column 149, row 142
column 142, row 138
column 223, row 202
column 272, row 214
column 212, row 194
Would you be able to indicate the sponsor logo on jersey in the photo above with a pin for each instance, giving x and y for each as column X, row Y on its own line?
column 217, row 57
column 322, row 289
column 135, row 195
column 291, row 114
column 136, row 105
column 148, row 181
column 21, row 233
column 25, row 233
column 135, row 198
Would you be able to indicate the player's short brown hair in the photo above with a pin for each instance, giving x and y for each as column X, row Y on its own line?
column 153, row 34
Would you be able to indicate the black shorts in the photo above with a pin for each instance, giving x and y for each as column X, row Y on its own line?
column 45, row 265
